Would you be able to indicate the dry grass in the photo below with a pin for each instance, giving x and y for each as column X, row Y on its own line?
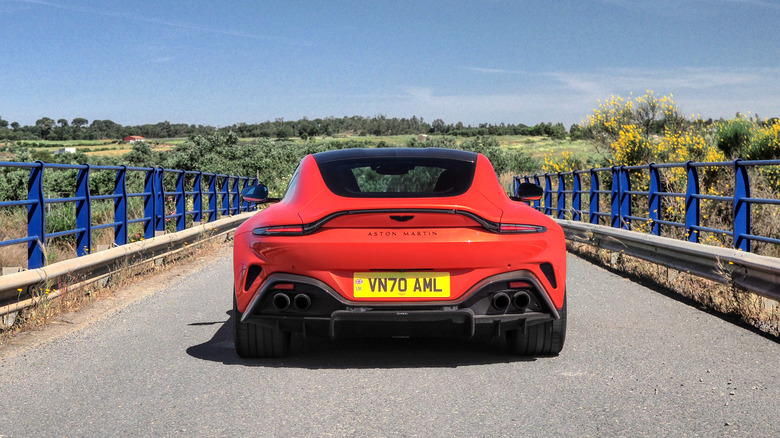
column 750, row 308
column 13, row 225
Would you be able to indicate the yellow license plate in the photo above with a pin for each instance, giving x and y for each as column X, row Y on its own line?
column 401, row 284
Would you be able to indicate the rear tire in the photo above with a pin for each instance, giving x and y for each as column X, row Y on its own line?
column 540, row 339
column 254, row 341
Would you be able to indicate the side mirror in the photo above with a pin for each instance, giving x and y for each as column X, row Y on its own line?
column 528, row 192
column 256, row 193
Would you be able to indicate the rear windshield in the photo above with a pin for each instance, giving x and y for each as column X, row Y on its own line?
column 397, row 177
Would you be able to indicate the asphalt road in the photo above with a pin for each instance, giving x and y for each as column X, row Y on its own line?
column 636, row 362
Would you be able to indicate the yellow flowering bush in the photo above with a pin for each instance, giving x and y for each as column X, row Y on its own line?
column 624, row 129
column 564, row 162
column 631, row 147
column 766, row 146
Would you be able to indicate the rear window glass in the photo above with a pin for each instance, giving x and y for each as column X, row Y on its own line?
column 398, row 177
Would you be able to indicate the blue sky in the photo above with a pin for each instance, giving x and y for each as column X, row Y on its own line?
column 224, row 62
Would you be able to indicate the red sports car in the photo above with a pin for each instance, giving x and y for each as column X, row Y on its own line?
column 398, row 242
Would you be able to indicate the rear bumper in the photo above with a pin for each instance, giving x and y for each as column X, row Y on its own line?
column 460, row 323
column 330, row 314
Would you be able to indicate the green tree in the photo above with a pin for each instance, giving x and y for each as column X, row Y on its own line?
column 141, row 155
column 44, row 126
column 438, row 126
column 78, row 122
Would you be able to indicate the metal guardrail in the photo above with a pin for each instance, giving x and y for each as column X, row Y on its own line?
column 205, row 192
column 756, row 273
column 26, row 288
column 751, row 272
column 624, row 201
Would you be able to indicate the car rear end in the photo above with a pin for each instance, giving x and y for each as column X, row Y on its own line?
column 384, row 256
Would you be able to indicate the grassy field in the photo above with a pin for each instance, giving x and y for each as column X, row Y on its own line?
column 536, row 146
column 112, row 148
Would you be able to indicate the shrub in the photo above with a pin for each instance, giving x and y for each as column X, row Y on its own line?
column 623, row 128
column 734, row 136
column 765, row 144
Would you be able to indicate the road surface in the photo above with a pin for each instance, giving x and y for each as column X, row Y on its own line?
column 636, row 362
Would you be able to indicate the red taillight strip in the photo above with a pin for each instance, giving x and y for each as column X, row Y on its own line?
column 282, row 230
column 521, row 228
column 493, row 227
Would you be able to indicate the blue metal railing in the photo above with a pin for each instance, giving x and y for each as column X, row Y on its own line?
column 207, row 206
column 623, row 201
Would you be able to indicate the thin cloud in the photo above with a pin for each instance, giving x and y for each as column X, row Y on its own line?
column 167, row 23
column 571, row 96
column 499, row 71
column 671, row 79
column 161, row 60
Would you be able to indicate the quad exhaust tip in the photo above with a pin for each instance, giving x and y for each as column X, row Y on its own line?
column 302, row 302
column 281, row 301
column 501, row 301
column 521, row 299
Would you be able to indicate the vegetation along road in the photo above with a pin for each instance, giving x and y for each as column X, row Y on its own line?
column 636, row 362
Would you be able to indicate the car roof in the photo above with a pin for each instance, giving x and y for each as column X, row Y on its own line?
column 359, row 153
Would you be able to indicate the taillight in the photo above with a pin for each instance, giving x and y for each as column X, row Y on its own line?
column 520, row 228
column 282, row 230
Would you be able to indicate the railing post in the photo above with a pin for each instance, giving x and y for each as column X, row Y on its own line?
column 225, row 211
column 593, row 216
column 120, row 206
column 654, row 200
column 36, row 218
column 742, row 216
column 625, row 198
column 181, row 218
column 547, row 195
column 159, row 204
column 561, row 196
column 692, row 203
column 213, row 197
column 244, row 204
column 235, row 209
column 615, row 210
column 576, row 199
column 149, row 203
column 83, row 213
column 197, row 201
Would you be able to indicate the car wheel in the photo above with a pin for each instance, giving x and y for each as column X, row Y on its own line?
column 540, row 339
column 254, row 341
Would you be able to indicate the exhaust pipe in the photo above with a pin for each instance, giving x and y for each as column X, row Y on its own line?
column 521, row 299
column 501, row 301
column 302, row 302
column 281, row 301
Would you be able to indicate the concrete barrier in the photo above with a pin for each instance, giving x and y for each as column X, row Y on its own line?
column 22, row 289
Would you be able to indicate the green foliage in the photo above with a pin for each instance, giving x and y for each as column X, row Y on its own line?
column 142, row 155
column 765, row 144
column 733, row 136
